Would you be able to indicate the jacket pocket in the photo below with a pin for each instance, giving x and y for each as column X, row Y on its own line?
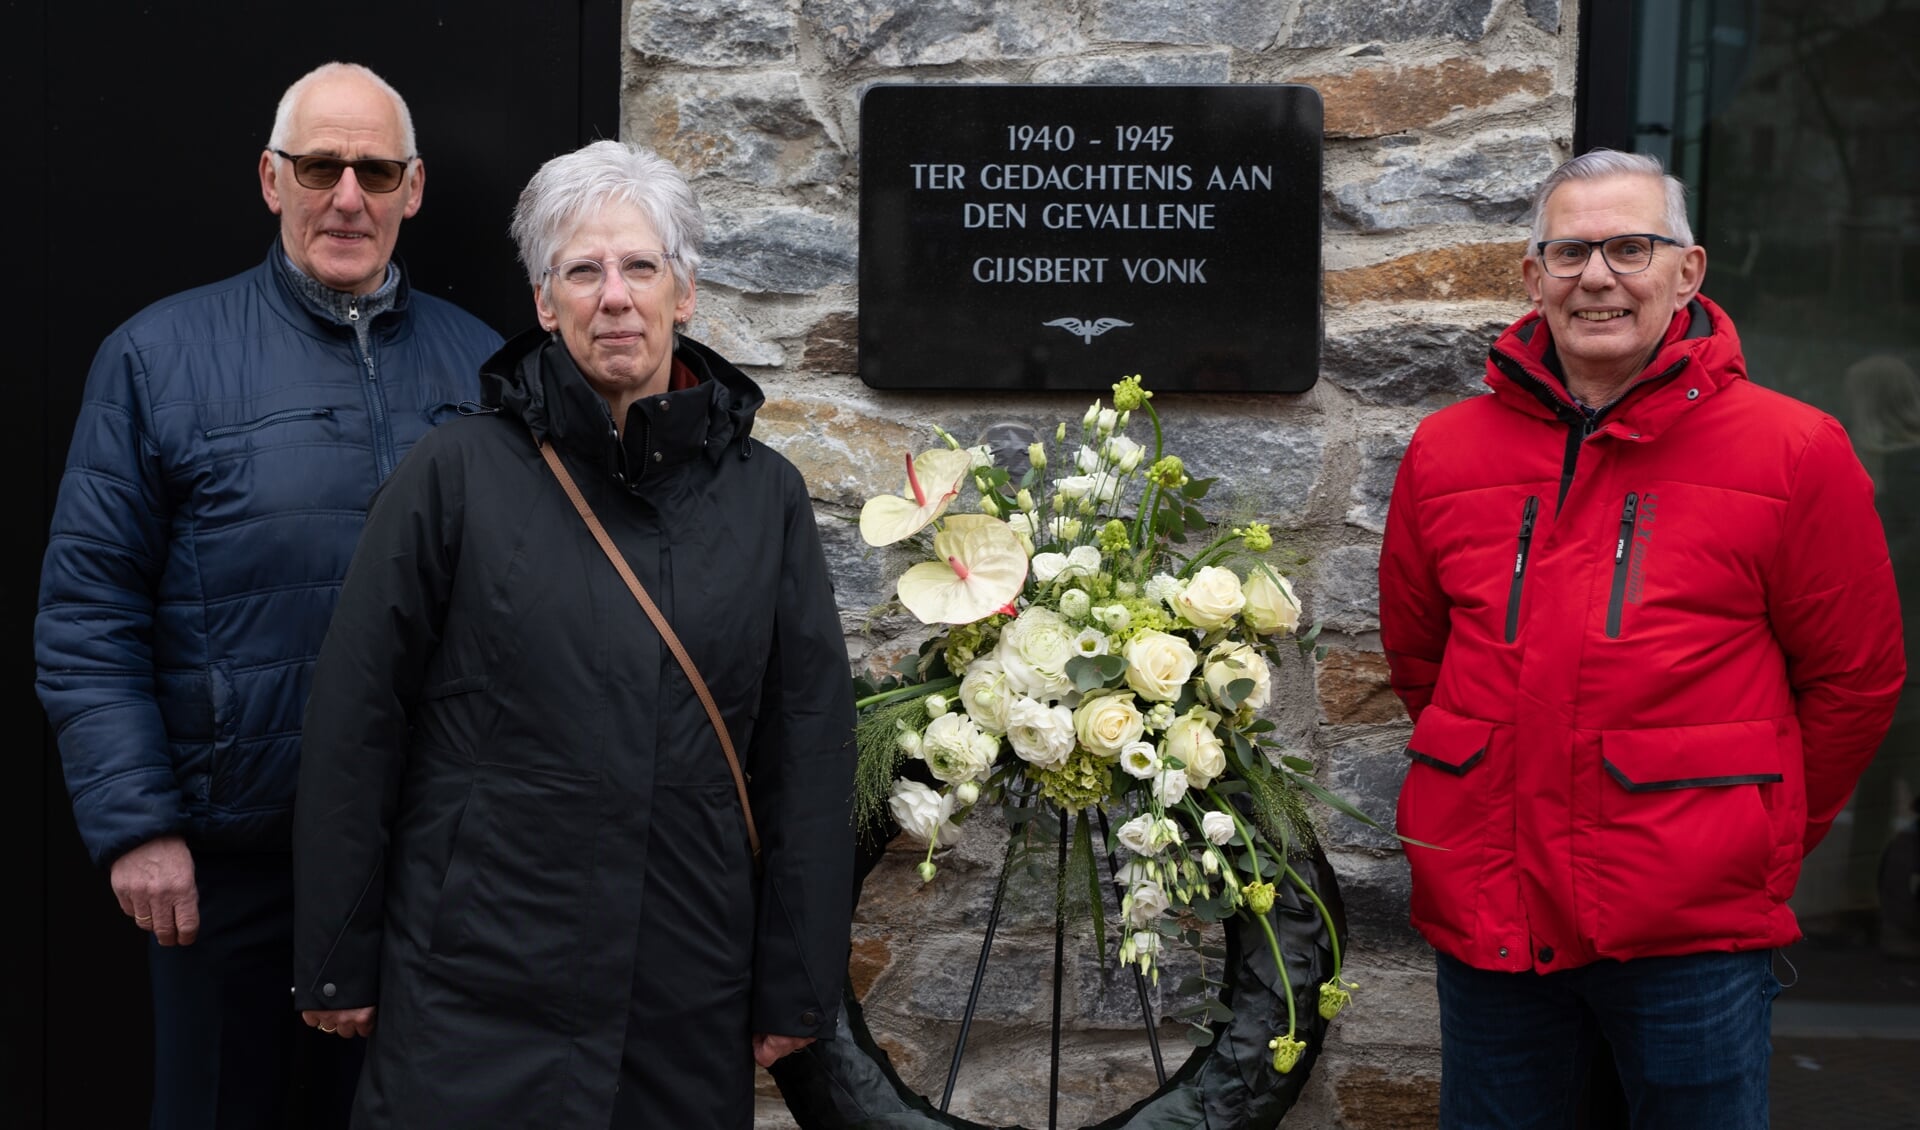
column 1683, row 848
column 1447, row 799
column 284, row 416
column 1622, row 553
column 1528, row 513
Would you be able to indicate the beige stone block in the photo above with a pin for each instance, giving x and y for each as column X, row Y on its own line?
column 1354, row 689
column 1372, row 1099
column 833, row 345
column 1462, row 273
column 1384, row 100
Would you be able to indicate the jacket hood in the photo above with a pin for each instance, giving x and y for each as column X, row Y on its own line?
column 534, row 379
column 1699, row 356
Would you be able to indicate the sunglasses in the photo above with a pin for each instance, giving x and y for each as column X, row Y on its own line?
column 373, row 174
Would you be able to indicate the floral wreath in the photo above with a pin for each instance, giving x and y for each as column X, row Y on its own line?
column 1087, row 657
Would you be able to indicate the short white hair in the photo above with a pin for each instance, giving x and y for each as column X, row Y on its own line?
column 283, row 114
column 1597, row 163
column 571, row 188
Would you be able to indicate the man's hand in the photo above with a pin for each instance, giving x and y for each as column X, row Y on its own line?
column 767, row 1049
column 346, row 1022
column 154, row 883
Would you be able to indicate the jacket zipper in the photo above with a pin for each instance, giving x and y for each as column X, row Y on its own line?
column 271, row 418
column 1527, row 514
column 383, row 457
column 1621, row 554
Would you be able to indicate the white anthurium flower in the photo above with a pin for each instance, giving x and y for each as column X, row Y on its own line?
column 933, row 481
column 1042, row 735
column 1217, row 827
column 923, row 813
column 1140, row 759
column 982, row 568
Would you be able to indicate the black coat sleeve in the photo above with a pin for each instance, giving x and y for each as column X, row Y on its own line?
column 802, row 759
column 354, row 744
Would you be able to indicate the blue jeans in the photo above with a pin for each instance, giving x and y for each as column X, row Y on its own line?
column 1690, row 1036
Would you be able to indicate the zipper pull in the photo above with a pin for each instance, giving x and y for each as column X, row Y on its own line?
column 353, row 310
column 1526, row 534
column 1627, row 515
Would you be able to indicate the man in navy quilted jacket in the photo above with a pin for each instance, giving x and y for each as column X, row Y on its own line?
column 227, row 445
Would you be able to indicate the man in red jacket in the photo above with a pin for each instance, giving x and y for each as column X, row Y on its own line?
column 1642, row 614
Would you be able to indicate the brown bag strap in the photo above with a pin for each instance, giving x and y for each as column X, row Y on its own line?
column 666, row 633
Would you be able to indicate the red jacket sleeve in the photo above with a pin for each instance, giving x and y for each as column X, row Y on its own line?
column 1414, row 612
column 1834, row 608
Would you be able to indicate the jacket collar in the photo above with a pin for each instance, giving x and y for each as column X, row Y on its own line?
column 534, row 379
column 281, row 292
column 1699, row 356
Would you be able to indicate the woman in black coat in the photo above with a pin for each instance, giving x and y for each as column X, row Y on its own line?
column 522, row 867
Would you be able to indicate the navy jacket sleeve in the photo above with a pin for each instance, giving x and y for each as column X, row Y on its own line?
column 802, row 760
column 365, row 684
column 93, row 637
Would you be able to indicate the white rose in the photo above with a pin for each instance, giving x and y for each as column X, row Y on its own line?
column 1271, row 609
column 1158, row 665
column 1140, row 759
column 1034, row 650
column 1039, row 733
column 1170, row 785
column 1162, row 588
column 1217, row 827
column 955, row 749
column 922, row 813
column 1105, row 725
column 1192, row 742
column 1075, row 604
column 1047, row 566
column 1211, row 598
column 985, row 694
column 1230, row 662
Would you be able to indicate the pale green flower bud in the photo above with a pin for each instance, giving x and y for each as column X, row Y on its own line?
column 1037, row 455
column 936, row 705
column 1092, row 417
column 1024, row 500
column 966, row 792
column 927, row 870
column 1075, row 604
column 989, row 507
column 1060, row 433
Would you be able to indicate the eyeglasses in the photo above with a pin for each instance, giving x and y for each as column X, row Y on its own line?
column 1623, row 254
column 373, row 174
column 583, row 278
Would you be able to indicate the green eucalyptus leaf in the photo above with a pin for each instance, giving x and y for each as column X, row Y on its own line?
column 1198, row 488
column 1297, row 764
column 1199, row 1036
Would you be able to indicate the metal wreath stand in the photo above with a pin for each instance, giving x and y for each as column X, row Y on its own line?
column 847, row 1082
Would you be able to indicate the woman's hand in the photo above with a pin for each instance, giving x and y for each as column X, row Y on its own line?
column 768, row 1048
column 345, row 1022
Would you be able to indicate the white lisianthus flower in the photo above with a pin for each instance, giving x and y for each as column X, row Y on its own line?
column 1106, row 421
column 1170, row 785
column 1093, row 415
column 1162, row 589
column 1062, row 528
column 1106, row 724
column 985, row 695
column 1087, row 460
column 1217, row 827
column 1033, row 651
column 1140, row 759
column 1192, row 742
column 923, row 813
column 1090, row 642
column 1146, row 902
column 1230, row 662
column 1211, row 599
column 1102, row 489
column 955, row 749
column 1114, row 617
column 1158, row 665
column 1124, row 454
column 982, row 456
column 1040, row 734
column 1147, row 834
column 1271, row 609
column 1075, row 604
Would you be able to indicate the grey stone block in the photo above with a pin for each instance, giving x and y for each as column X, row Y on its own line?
column 779, row 250
column 711, row 33
column 1545, row 15
column 1251, row 25
column 1377, row 892
column 1330, row 23
column 1345, row 596
column 1146, row 70
column 1410, row 363
column 1366, row 771
column 756, row 130
column 1411, row 186
column 903, row 33
column 1267, row 468
column 1379, row 462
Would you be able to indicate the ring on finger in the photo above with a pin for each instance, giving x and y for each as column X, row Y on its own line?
column 142, row 920
column 324, row 1028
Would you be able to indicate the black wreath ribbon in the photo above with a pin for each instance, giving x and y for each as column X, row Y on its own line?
column 848, row 1082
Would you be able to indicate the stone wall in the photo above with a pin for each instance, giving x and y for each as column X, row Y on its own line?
column 1441, row 115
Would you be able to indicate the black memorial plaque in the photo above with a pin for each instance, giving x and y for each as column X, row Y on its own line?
column 1062, row 237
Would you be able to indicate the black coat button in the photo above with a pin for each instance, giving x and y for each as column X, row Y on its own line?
column 327, row 990
column 809, row 1018
column 1546, row 954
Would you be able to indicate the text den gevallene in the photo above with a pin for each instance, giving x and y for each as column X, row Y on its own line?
column 1015, row 178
